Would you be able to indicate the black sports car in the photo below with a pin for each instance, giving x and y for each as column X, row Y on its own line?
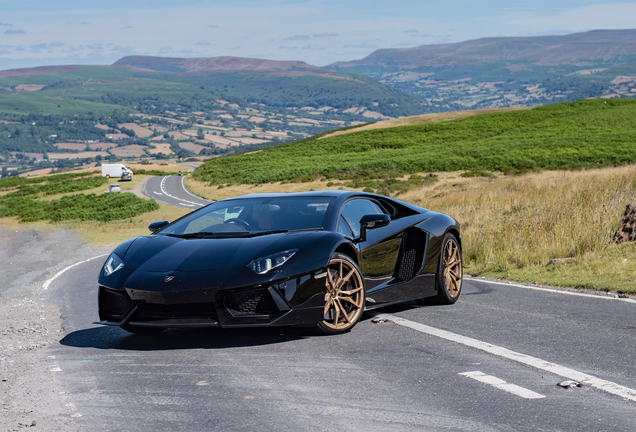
column 312, row 258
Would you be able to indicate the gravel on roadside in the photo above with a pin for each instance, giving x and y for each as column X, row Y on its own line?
column 31, row 395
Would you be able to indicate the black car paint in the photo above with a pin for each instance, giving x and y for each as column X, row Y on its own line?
column 209, row 271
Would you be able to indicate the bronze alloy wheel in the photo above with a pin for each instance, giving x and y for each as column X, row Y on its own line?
column 448, row 278
column 452, row 268
column 344, row 295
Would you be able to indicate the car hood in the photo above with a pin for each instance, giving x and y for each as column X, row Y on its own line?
column 166, row 253
column 217, row 262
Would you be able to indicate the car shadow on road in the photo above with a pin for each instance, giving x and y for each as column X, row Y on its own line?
column 173, row 339
column 105, row 337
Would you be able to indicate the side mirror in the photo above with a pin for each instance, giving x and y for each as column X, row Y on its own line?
column 156, row 226
column 372, row 221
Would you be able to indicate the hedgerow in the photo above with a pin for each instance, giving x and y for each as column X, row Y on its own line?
column 101, row 208
column 24, row 204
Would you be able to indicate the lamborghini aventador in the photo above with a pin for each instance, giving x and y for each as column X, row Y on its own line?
column 316, row 259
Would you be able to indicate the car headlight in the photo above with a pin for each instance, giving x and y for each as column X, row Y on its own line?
column 265, row 264
column 113, row 264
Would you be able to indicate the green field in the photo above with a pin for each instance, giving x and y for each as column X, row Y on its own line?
column 568, row 135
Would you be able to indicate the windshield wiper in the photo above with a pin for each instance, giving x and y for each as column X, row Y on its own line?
column 283, row 231
column 208, row 234
column 261, row 233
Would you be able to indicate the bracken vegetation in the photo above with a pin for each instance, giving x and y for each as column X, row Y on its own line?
column 571, row 135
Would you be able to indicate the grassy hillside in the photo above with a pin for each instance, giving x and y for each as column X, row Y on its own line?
column 573, row 134
column 82, row 89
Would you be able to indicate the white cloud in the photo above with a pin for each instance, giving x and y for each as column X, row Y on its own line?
column 202, row 42
column 297, row 38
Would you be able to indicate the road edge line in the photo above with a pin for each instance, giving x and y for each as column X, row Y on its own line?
column 190, row 193
column 48, row 282
column 552, row 290
column 590, row 380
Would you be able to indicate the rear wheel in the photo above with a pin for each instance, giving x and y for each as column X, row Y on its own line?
column 449, row 271
column 344, row 295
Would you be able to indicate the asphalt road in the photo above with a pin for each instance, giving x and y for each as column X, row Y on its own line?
column 463, row 367
column 172, row 191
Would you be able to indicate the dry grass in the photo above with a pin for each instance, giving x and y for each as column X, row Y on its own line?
column 204, row 190
column 513, row 226
column 423, row 119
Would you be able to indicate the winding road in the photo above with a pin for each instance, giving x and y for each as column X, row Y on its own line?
column 171, row 190
column 491, row 362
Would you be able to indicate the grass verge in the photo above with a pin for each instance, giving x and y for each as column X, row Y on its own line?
column 513, row 226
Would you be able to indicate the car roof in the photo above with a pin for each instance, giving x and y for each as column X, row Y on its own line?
column 327, row 193
column 340, row 195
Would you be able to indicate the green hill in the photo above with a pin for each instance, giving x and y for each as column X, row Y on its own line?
column 572, row 134
column 153, row 85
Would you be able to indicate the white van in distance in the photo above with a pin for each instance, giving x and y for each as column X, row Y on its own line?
column 114, row 170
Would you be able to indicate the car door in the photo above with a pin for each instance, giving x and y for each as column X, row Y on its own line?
column 378, row 254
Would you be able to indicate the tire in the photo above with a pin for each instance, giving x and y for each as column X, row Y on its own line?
column 143, row 330
column 344, row 295
column 448, row 279
column 107, row 177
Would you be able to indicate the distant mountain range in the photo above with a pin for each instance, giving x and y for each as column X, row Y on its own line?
column 223, row 103
column 217, row 64
column 582, row 49
column 508, row 71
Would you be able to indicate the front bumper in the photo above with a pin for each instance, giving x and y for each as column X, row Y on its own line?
column 296, row 301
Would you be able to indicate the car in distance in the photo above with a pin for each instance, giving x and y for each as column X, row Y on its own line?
column 126, row 176
column 115, row 187
column 314, row 259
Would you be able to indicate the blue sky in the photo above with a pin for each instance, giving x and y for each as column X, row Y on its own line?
column 53, row 32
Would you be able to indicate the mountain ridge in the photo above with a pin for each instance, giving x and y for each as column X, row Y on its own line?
column 200, row 65
column 572, row 49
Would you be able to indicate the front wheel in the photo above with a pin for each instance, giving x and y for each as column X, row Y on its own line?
column 344, row 295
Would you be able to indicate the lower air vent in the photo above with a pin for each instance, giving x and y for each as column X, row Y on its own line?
column 412, row 254
column 113, row 302
column 408, row 263
column 251, row 303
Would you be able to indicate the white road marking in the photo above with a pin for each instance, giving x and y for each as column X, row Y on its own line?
column 590, row 380
column 183, row 202
column 188, row 192
column 503, row 385
column 157, row 193
column 55, row 369
column 48, row 282
column 574, row 293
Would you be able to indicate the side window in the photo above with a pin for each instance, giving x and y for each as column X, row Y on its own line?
column 343, row 227
column 353, row 211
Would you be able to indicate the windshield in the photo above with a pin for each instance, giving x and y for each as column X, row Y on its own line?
column 254, row 216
